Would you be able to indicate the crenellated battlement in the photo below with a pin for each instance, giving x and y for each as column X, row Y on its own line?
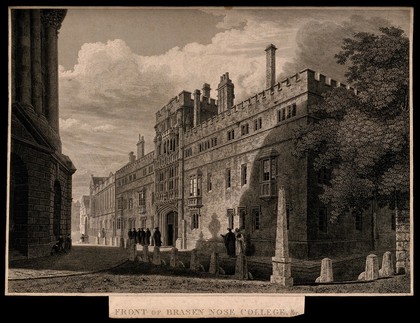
column 184, row 98
column 327, row 81
column 288, row 88
column 138, row 163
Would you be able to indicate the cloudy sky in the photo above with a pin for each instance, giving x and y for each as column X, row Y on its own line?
column 119, row 66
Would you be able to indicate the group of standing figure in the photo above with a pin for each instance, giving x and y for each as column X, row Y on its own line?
column 62, row 245
column 143, row 237
column 234, row 242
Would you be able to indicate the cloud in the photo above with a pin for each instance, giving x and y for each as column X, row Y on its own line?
column 67, row 123
column 318, row 42
column 104, row 128
column 73, row 125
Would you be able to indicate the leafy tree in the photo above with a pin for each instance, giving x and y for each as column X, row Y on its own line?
column 363, row 138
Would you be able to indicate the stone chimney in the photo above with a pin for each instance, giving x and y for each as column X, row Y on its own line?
column 225, row 93
column 140, row 147
column 270, row 70
column 131, row 157
column 206, row 90
column 196, row 115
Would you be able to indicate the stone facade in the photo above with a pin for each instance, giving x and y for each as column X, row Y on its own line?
column 217, row 165
column 102, row 222
column 40, row 175
column 75, row 220
column 84, row 214
column 134, row 193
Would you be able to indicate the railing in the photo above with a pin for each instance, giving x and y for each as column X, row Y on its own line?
column 195, row 201
column 165, row 160
column 167, row 196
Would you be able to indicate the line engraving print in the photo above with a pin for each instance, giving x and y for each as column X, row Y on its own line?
column 207, row 150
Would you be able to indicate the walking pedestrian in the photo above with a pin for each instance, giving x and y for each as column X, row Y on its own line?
column 156, row 237
column 142, row 237
column 139, row 236
column 68, row 242
column 148, row 234
column 239, row 242
column 229, row 239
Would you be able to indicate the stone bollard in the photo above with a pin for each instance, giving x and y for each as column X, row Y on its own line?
column 156, row 256
column 173, row 261
column 96, row 240
column 371, row 270
column 241, row 268
column 146, row 253
column 214, row 263
column 326, row 272
column 194, row 263
column 121, row 243
column 132, row 253
column 387, row 269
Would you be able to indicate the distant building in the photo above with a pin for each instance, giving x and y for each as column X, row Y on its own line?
column 84, row 214
column 217, row 165
column 75, row 220
column 40, row 175
column 102, row 208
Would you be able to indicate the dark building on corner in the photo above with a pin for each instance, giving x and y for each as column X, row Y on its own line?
column 40, row 175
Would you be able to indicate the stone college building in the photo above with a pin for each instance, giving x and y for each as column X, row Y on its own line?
column 219, row 165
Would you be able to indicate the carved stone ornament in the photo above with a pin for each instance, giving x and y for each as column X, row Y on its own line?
column 53, row 17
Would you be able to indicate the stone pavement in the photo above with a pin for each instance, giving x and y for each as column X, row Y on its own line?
column 82, row 259
column 89, row 258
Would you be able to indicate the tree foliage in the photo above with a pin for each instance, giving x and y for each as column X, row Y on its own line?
column 363, row 138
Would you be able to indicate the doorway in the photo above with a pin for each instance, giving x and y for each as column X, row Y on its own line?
column 171, row 228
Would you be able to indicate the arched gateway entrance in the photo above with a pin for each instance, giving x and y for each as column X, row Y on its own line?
column 171, row 228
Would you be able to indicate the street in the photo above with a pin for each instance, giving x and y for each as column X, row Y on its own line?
column 96, row 269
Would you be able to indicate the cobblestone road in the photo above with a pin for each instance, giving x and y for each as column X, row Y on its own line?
column 81, row 260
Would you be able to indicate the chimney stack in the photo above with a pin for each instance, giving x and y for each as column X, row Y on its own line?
column 270, row 69
column 140, row 147
column 196, row 115
column 225, row 93
column 131, row 157
column 206, row 90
